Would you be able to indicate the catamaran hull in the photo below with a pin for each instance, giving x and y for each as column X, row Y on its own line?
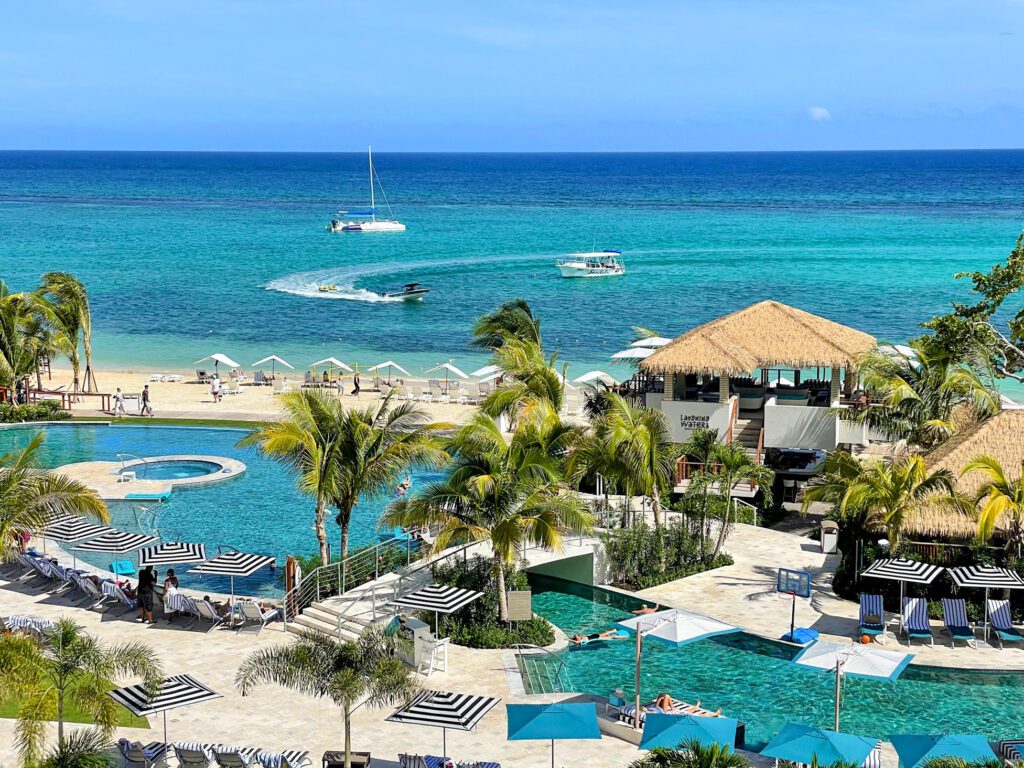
column 369, row 226
column 569, row 270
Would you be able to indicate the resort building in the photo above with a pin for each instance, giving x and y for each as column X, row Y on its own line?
column 769, row 376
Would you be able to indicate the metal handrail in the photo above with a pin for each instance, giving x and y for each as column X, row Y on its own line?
column 559, row 670
column 746, row 504
column 124, row 464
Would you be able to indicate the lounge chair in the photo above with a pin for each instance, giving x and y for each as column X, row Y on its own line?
column 259, row 379
column 156, row 377
column 233, row 757
column 126, row 602
column 468, row 395
column 252, row 614
column 93, row 594
column 627, row 712
column 915, row 620
column 999, row 616
column 1011, row 750
column 207, row 611
column 134, row 754
column 290, row 758
column 954, row 616
column 424, row 396
column 192, row 755
column 37, row 567
column 872, row 616
column 484, row 389
column 233, row 387
column 202, row 377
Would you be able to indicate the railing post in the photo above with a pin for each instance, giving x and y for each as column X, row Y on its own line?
column 376, row 564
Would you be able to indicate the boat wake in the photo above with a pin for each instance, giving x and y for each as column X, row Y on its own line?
column 308, row 284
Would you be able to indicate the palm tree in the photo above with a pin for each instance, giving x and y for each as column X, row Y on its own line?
column 512, row 320
column 68, row 666
column 699, row 451
column 733, row 467
column 69, row 299
column 922, row 396
column 532, row 389
column 507, row 491
column 85, row 748
column 17, row 355
column 692, row 754
column 999, row 496
column 349, row 673
column 881, row 494
column 31, row 497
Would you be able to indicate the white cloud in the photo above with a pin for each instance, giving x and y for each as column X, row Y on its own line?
column 819, row 113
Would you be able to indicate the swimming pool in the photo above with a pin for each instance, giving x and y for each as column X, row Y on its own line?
column 174, row 469
column 258, row 511
column 754, row 679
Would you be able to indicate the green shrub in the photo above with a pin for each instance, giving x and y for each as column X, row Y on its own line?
column 44, row 410
column 634, row 555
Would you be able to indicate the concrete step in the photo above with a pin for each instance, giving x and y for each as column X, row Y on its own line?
column 349, row 612
column 305, row 623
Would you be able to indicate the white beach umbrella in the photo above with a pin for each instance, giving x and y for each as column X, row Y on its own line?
column 274, row 360
column 633, row 353
column 856, row 660
column 652, row 342
column 218, row 357
column 592, row 376
column 490, row 377
column 676, row 627
column 389, row 364
column 448, row 368
column 487, row 370
column 333, row 362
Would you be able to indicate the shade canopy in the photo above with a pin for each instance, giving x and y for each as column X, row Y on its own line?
column 592, row 376
column 676, row 627
column 437, row 598
column 389, row 364
column 487, row 370
column 666, row 730
column 234, row 564
column 274, row 359
column 914, row 751
column 633, row 353
column 490, row 376
column 806, row 744
column 652, row 342
column 74, row 529
column 218, row 357
column 444, row 709
column 764, row 335
column 528, row 722
column 172, row 553
column 856, row 660
column 333, row 362
column 174, row 692
column 115, row 540
column 900, row 569
column 986, row 577
column 451, row 369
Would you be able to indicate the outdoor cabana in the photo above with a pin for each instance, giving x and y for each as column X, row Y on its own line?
column 731, row 365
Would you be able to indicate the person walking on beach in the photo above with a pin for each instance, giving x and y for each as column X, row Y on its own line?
column 355, row 384
column 119, row 403
column 147, row 409
column 215, row 389
column 147, row 579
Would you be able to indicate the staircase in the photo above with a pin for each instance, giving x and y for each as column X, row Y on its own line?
column 329, row 619
column 542, row 671
column 747, row 432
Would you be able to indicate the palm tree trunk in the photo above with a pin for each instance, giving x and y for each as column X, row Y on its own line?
column 343, row 520
column 499, row 573
column 60, row 717
column 321, row 532
column 723, row 531
column 659, row 529
column 348, row 736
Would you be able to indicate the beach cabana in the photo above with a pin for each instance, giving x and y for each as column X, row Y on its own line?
column 552, row 722
column 218, row 357
column 274, row 360
column 806, row 744
column 389, row 364
column 448, row 368
column 174, row 692
column 444, row 710
column 590, row 377
column 915, row 751
column 664, row 730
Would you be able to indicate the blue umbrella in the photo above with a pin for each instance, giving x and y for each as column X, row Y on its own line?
column 917, row 750
column 552, row 721
column 806, row 744
column 665, row 730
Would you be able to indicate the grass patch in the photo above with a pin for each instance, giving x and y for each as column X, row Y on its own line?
column 72, row 714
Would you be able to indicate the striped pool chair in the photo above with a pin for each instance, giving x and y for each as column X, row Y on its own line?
column 915, row 620
column 872, row 616
column 193, row 754
column 999, row 616
column 134, row 754
column 1012, row 751
column 289, row 758
column 954, row 616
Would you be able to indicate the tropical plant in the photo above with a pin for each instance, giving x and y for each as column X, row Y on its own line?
column 880, row 494
column 732, row 468
column 31, row 497
column 692, row 754
column 506, row 491
column 18, row 353
column 512, row 320
column 635, row 554
column 999, row 497
column 84, row 748
column 532, row 390
column 68, row 307
column 349, row 673
column 922, row 395
column 69, row 665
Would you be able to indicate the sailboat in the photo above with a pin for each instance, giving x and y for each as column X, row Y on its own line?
column 367, row 221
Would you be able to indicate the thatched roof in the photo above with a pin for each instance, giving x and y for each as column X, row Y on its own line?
column 764, row 335
column 1002, row 436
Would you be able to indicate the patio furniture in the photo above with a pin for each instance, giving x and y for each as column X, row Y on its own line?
column 434, row 656
column 336, row 759
column 954, row 616
column 872, row 616
column 252, row 614
column 136, row 755
column 915, row 620
column 999, row 616
column 191, row 756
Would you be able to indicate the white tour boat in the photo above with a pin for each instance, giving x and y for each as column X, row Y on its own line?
column 367, row 221
column 593, row 264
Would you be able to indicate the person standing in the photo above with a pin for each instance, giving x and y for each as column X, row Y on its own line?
column 215, row 389
column 147, row 580
column 147, row 409
column 355, row 383
column 119, row 403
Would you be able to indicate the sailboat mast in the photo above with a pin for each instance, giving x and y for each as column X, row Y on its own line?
column 369, row 152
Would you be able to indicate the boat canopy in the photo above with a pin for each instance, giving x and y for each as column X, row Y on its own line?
column 410, row 286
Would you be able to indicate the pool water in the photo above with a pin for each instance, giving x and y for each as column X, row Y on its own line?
column 754, row 679
column 179, row 469
column 258, row 511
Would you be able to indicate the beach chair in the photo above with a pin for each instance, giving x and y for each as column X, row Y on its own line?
column 252, row 615
column 233, row 757
column 915, row 620
column 872, row 616
column 38, row 567
column 202, row 377
column 192, row 755
column 125, row 602
column 156, row 377
column 134, row 754
column 424, row 396
column 999, row 617
column 1011, row 750
column 468, row 395
column 290, row 758
column 954, row 616
column 260, row 379
column 93, row 595
column 234, row 387
column 207, row 611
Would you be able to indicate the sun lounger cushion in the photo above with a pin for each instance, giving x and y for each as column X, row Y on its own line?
column 872, row 616
column 915, row 617
column 954, row 616
column 1012, row 750
column 999, row 615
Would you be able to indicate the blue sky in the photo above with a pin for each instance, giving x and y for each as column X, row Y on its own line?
column 468, row 76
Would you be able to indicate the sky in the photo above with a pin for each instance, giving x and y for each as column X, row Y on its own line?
column 514, row 75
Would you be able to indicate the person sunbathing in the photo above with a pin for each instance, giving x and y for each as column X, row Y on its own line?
column 644, row 609
column 611, row 634
column 664, row 703
column 220, row 608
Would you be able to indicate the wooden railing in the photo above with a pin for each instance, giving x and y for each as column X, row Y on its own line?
column 68, row 399
column 733, row 413
column 760, row 446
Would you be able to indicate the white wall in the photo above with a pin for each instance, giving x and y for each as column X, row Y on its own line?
column 855, row 433
column 687, row 416
column 799, row 426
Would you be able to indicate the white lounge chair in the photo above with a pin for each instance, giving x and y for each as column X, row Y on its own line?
column 233, row 387
column 192, row 755
column 136, row 755
column 126, row 602
column 156, row 377
column 424, row 396
column 207, row 611
column 233, row 757
column 252, row 615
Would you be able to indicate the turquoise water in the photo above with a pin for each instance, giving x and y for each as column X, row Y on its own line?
column 755, row 680
column 175, row 470
column 185, row 254
column 259, row 511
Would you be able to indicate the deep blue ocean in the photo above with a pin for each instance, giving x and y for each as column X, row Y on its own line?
column 185, row 254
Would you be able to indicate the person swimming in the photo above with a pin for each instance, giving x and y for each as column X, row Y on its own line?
column 644, row 609
column 611, row 634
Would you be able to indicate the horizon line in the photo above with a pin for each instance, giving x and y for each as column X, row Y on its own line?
column 519, row 151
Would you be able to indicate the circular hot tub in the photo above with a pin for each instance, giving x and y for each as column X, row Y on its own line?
column 181, row 470
column 175, row 469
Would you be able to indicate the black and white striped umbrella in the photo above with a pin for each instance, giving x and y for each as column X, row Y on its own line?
column 986, row 577
column 174, row 692
column 437, row 598
column 444, row 709
column 74, row 529
column 900, row 569
column 115, row 540
column 172, row 553
column 234, row 564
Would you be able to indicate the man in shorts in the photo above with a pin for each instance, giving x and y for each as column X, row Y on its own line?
column 147, row 580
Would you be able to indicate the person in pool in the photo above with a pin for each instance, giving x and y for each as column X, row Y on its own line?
column 611, row 634
column 644, row 609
